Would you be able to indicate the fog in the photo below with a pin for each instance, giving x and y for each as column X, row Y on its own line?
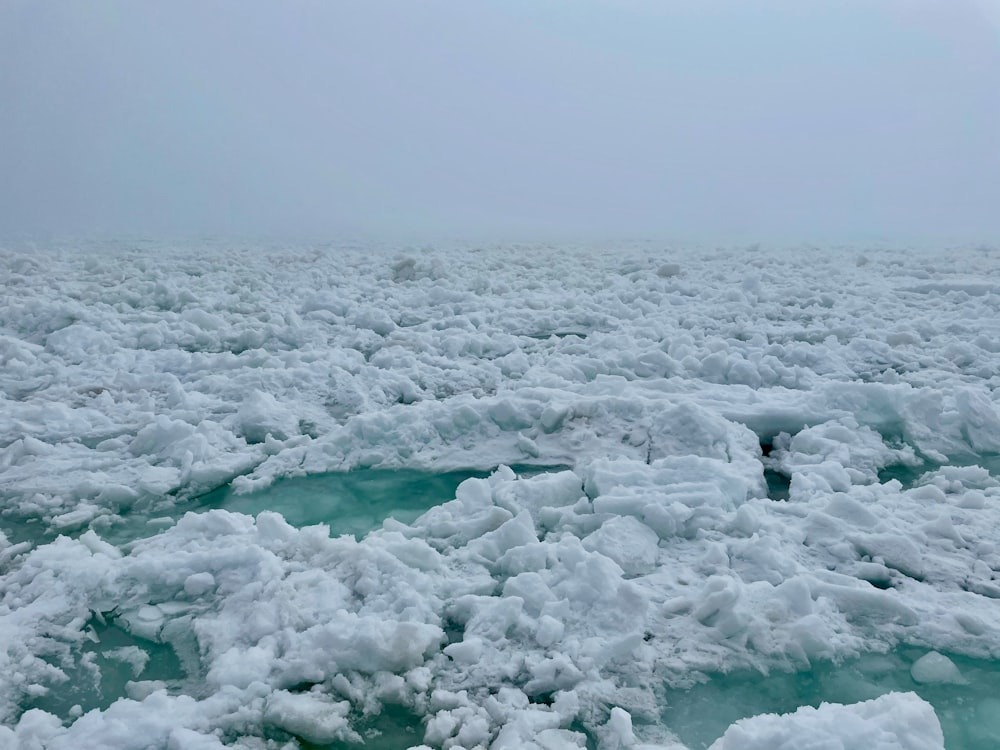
column 702, row 120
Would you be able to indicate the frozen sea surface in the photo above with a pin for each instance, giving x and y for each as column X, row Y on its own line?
column 963, row 693
column 260, row 497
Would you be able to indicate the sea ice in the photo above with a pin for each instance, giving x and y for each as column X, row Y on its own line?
column 896, row 721
column 765, row 461
column 936, row 668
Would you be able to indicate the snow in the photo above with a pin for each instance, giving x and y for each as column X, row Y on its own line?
column 937, row 668
column 897, row 721
column 528, row 610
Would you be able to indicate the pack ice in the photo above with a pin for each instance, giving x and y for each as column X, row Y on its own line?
column 767, row 460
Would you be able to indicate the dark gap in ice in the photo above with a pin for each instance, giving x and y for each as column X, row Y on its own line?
column 354, row 502
column 969, row 712
column 302, row 687
column 909, row 476
column 778, row 484
column 349, row 502
column 546, row 698
column 394, row 728
column 18, row 527
column 103, row 668
column 578, row 726
column 904, row 474
column 989, row 461
column 880, row 582
column 454, row 631
column 911, row 574
column 545, row 335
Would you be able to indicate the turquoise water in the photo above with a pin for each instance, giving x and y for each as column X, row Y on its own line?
column 905, row 475
column 969, row 713
column 909, row 476
column 350, row 503
column 357, row 502
column 778, row 484
column 104, row 666
column 396, row 728
column 353, row 502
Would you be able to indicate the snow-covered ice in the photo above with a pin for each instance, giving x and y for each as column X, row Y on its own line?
column 896, row 721
column 664, row 398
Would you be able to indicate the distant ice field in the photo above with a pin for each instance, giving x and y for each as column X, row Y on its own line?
column 512, row 496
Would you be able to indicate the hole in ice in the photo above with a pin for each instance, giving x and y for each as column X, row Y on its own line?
column 350, row 503
column 990, row 462
column 905, row 475
column 910, row 476
column 19, row 528
column 546, row 335
column 353, row 502
column 395, row 727
column 105, row 666
column 969, row 710
column 778, row 484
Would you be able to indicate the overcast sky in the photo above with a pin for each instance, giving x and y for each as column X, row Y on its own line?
column 701, row 119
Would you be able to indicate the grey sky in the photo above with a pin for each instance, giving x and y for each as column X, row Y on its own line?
column 706, row 119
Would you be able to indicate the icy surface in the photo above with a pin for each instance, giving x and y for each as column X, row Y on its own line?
column 897, row 721
column 774, row 460
column 965, row 705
